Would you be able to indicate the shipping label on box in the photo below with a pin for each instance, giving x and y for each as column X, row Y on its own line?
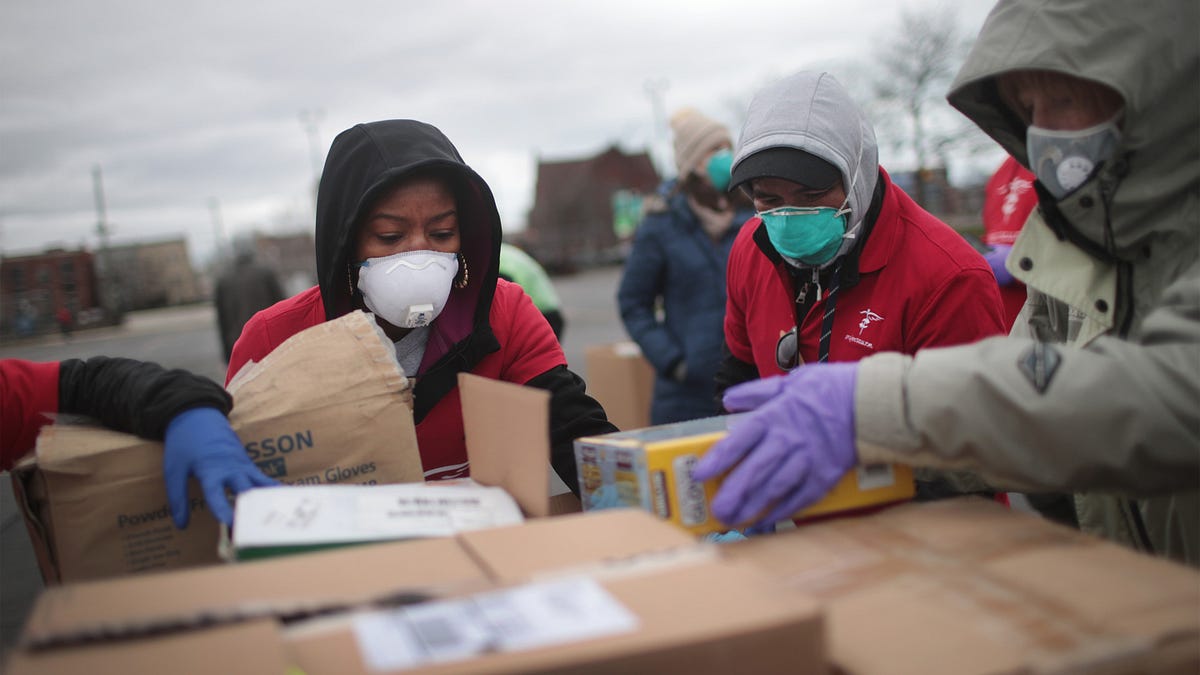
column 524, row 617
column 651, row 469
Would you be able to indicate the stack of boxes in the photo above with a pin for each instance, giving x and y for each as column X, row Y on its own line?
column 958, row 586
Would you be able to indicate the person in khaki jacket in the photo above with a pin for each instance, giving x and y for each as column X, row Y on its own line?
column 1097, row 390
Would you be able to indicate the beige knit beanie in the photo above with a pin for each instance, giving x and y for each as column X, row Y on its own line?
column 695, row 137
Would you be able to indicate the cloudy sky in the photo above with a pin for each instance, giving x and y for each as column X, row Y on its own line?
column 212, row 116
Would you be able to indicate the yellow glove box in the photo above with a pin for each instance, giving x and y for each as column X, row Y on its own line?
column 651, row 469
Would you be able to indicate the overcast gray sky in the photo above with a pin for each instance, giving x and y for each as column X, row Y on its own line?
column 187, row 105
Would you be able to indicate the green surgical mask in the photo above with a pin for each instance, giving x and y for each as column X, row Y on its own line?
column 719, row 169
column 811, row 235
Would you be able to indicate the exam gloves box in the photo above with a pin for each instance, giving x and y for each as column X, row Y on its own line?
column 329, row 406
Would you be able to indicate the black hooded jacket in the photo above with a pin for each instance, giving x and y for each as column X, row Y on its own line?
column 364, row 162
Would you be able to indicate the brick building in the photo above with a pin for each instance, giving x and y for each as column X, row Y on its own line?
column 571, row 222
column 34, row 287
column 151, row 274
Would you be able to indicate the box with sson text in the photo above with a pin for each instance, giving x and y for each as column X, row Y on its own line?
column 328, row 406
column 651, row 469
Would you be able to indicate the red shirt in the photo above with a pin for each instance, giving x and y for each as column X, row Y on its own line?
column 920, row 285
column 28, row 392
column 528, row 348
column 1008, row 199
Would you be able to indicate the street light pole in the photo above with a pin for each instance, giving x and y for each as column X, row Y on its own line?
column 655, row 89
column 214, row 208
column 106, row 280
column 309, row 119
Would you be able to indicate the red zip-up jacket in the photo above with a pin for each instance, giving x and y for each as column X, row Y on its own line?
column 920, row 284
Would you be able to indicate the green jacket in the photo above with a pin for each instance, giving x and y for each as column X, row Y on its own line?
column 1097, row 390
column 519, row 267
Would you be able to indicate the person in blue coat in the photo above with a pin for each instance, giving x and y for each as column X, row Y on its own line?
column 672, row 292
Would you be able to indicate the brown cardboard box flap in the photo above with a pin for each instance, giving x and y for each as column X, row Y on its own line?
column 523, row 552
column 290, row 380
column 508, row 439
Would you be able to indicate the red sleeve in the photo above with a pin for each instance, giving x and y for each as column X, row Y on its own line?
column 967, row 308
column 527, row 343
column 28, row 391
column 252, row 345
column 736, row 336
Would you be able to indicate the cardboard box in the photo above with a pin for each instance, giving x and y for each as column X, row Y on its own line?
column 116, row 623
column 622, row 380
column 651, row 469
column 330, row 405
column 251, row 648
column 655, row 601
column 967, row 586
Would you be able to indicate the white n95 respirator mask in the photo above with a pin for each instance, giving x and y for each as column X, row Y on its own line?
column 409, row 289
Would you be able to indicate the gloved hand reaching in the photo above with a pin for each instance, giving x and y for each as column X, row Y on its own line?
column 996, row 258
column 199, row 442
column 789, row 452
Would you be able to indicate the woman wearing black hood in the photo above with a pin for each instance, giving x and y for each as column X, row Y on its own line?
column 405, row 229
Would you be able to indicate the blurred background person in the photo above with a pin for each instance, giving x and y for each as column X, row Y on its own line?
column 1008, row 199
column 520, row 268
column 672, row 292
column 66, row 321
column 244, row 289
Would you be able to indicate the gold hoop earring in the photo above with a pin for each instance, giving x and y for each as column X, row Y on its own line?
column 466, row 274
column 350, row 280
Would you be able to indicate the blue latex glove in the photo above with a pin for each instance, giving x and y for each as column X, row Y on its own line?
column 996, row 258
column 789, row 452
column 199, row 442
column 725, row 537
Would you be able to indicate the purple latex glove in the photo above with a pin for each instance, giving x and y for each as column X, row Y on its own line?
column 996, row 258
column 199, row 442
column 789, row 452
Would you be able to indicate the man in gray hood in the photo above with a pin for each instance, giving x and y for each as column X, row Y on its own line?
column 1097, row 388
column 839, row 261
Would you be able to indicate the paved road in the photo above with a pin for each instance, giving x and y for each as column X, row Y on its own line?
column 187, row 338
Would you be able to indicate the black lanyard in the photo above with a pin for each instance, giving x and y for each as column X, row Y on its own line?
column 827, row 319
column 803, row 306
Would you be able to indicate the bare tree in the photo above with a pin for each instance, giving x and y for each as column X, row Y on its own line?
column 915, row 65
